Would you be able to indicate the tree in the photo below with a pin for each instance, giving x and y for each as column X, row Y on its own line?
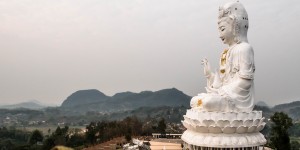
column 128, row 135
column 35, row 137
column 49, row 131
column 59, row 137
column 6, row 144
column 49, row 143
column 91, row 132
column 162, row 126
column 279, row 137
column 76, row 140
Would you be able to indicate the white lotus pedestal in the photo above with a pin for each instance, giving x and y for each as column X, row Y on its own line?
column 223, row 130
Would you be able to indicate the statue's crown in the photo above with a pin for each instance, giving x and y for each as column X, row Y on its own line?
column 234, row 9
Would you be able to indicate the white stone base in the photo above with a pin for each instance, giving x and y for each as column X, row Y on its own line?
column 223, row 140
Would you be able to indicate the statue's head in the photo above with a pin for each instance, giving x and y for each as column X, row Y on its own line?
column 233, row 23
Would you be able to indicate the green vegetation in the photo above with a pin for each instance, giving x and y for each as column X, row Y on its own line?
column 11, row 138
column 162, row 126
column 295, row 142
column 35, row 137
column 297, row 139
column 94, row 133
column 52, row 117
column 103, row 131
column 63, row 136
column 295, row 130
column 279, row 137
column 25, row 129
column 282, row 130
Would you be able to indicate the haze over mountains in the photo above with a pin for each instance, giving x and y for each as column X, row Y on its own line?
column 30, row 104
column 93, row 101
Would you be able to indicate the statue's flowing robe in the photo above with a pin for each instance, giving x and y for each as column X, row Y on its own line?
column 230, row 93
column 239, row 66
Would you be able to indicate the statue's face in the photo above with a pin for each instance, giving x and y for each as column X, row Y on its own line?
column 226, row 30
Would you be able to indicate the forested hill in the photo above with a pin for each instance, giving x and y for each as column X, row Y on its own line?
column 292, row 109
column 287, row 106
column 94, row 100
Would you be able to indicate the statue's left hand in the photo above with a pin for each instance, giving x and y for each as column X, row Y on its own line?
column 207, row 71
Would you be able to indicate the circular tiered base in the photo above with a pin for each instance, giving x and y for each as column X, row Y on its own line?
column 223, row 140
column 223, row 129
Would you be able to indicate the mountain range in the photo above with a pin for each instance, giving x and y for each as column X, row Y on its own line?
column 32, row 104
column 94, row 100
column 83, row 102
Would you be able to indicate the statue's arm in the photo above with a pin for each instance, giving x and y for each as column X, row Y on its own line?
column 210, row 76
column 246, row 66
column 206, row 68
column 246, row 62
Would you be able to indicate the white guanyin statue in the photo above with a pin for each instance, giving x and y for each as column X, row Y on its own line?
column 223, row 118
column 231, row 87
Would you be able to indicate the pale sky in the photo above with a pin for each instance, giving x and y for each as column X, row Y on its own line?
column 52, row 48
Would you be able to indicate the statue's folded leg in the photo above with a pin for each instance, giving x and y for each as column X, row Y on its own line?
column 214, row 102
column 209, row 102
column 197, row 101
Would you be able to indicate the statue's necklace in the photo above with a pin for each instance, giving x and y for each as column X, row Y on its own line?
column 224, row 57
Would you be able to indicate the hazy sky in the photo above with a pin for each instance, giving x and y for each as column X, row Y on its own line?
column 52, row 48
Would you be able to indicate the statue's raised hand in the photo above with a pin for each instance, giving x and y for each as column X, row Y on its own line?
column 206, row 65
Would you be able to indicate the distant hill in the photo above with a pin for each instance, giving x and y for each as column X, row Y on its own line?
column 286, row 106
column 84, row 97
column 85, row 106
column 262, row 103
column 292, row 109
column 84, row 101
column 93, row 103
column 33, row 104
column 93, row 100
